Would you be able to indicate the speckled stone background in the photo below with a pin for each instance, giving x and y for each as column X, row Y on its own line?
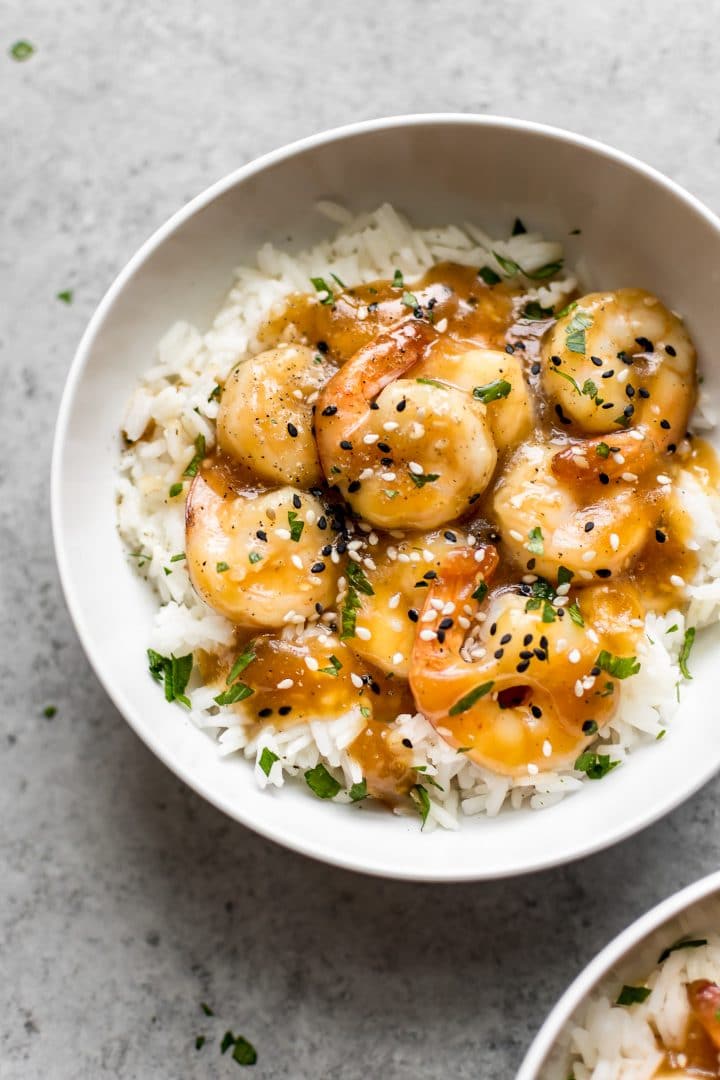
column 124, row 900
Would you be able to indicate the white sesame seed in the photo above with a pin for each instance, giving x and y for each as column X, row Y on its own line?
column 629, row 477
column 614, row 541
column 362, row 312
column 286, row 684
column 310, row 517
column 437, row 604
column 354, row 556
column 415, row 556
column 533, row 769
column 311, row 663
column 388, row 477
column 692, row 545
column 441, row 326
column 415, row 468
column 392, row 554
column 528, row 579
column 479, row 555
column 463, row 622
column 588, row 556
column 296, row 561
column 354, row 545
column 636, row 433
column 355, row 680
column 471, row 541
column 586, row 575
column 677, row 581
column 365, row 474
column 427, row 555
column 298, row 394
column 394, row 600
column 592, row 635
column 574, row 656
column 373, row 539
column 390, row 425
column 547, row 748
column 449, row 608
column 369, row 563
column 403, row 557
column 622, row 376
column 579, row 690
column 282, row 534
column 562, row 590
column 560, row 645
column 561, row 601
column 363, row 526
column 427, row 635
column 416, row 430
column 397, row 658
column 397, row 534
column 429, row 615
column 334, row 557
column 663, row 479
column 636, row 622
column 618, row 458
column 516, row 535
column 370, row 438
column 363, row 633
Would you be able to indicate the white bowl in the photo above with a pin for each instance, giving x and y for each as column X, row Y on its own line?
column 638, row 228
column 629, row 957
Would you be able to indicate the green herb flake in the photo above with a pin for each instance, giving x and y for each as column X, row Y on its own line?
column 365, row 711
column 633, row 995
column 672, row 629
column 693, row 943
column 240, row 664
column 660, row 735
column 357, row 578
column 492, row 391
column 175, row 671
column 575, row 332
column 543, row 272
column 575, row 613
column 609, row 689
column 65, row 297
column 420, row 480
column 620, row 667
column 296, row 526
column 685, row 651
column 22, row 50
column 410, row 299
column 595, row 766
column 333, row 669
column 228, row 1040
column 49, row 711
column 470, row 699
column 321, row 782
column 175, row 489
column 358, row 792
column 398, row 280
column 254, row 557
column 244, row 1053
column 481, row 592
column 566, row 310
column 222, row 567
column 589, row 388
column 602, row 450
column 431, row 382
column 215, row 393
column 421, row 799
column 267, row 760
column 508, row 266
column 489, row 276
column 565, row 576
column 389, row 494
column 535, row 541
column 549, row 613
column 206, row 1009
column 337, row 281
column 178, row 558
column 534, row 311
column 350, row 608
column 321, row 286
column 197, row 459
column 200, row 1042
column 237, row 692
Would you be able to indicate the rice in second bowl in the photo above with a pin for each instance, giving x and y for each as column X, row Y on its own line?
column 174, row 411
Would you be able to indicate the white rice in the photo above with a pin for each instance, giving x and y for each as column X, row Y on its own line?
column 618, row 1042
column 175, row 394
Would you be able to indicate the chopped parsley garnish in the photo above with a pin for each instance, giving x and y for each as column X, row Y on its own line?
column 685, row 651
column 421, row 799
column 66, row 296
column 518, row 228
column 358, row 792
column 244, row 1053
column 350, row 608
column 337, row 281
column 49, row 711
column 595, row 766
column 237, row 692
column 535, row 311
column 481, row 592
column 357, row 578
column 321, row 782
column 575, row 332
column 409, row 299
column 206, row 1009
column 633, row 995
column 321, row 286
column 22, row 50
column 215, row 393
column 197, row 458
column 365, row 711
column 141, row 556
column 492, row 391
column 620, row 667
column 254, row 557
column 175, row 489
column 398, row 280
column 431, row 382
column 489, row 276
column 575, row 613
column 602, row 450
column 222, row 567
column 470, row 699
column 694, row 943
column 177, row 558
column 296, row 525
column 240, row 664
column 565, row 576
column 549, row 614
column 267, row 760
column 423, row 478
column 175, row 671
column 390, row 494
column 535, row 541
column 199, row 1042
column 510, row 267
column 228, row 1040
column 609, row 689
column 672, row 629
column 334, row 667
column 566, row 310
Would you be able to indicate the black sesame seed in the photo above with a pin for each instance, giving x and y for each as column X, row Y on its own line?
column 445, row 624
column 509, row 349
column 383, row 446
column 670, row 351
column 493, row 629
column 285, row 709
column 589, row 727
column 386, row 461
column 261, row 534
column 607, row 374
column 413, row 615
column 589, row 526
column 604, row 573
column 441, row 636
column 323, row 346
column 317, row 568
column 595, row 671
column 630, row 390
column 530, row 564
column 561, row 415
column 645, row 343
column 374, row 687
column 628, row 410
column 329, row 410
column 544, row 642
column 345, row 445
column 292, row 431
column 430, row 576
column 523, row 666
column 540, row 653
column 527, row 639
column 322, row 522
column 535, row 368
column 604, row 478
column 536, row 711
column 297, row 501
column 327, row 550
column 474, row 498
column 450, row 536
column 660, row 536
column 665, row 425
column 499, row 653
column 608, row 405
column 671, row 448
column 556, row 361
column 341, row 547
column 401, row 405
column 374, row 406
column 525, row 654
column 596, row 361
column 265, row 712
column 643, row 392
column 319, row 608
column 407, row 743
column 622, row 355
column 505, row 639
column 353, row 486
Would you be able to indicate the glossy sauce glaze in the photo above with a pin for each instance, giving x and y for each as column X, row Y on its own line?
column 335, row 668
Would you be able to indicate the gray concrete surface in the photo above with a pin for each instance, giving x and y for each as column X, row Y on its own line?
column 124, row 900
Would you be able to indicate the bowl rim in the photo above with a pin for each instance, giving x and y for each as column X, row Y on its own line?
column 324, row 852
column 612, row 953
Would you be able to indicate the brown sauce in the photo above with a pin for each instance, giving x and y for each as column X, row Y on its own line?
column 698, row 1055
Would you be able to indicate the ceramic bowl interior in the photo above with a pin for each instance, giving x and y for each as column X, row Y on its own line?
column 637, row 229
column 690, row 913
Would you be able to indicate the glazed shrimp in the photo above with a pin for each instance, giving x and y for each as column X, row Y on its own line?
column 496, row 375
column 593, row 530
column 265, row 414
column 529, row 702
column 619, row 368
column 419, row 455
column 257, row 558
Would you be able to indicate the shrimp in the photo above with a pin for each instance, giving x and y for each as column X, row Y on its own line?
column 419, row 455
column 592, row 530
column 620, row 369
column 265, row 414
column 494, row 376
column 528, row 702
column 388, row 616
column 257, row 558
column 704, row 1001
